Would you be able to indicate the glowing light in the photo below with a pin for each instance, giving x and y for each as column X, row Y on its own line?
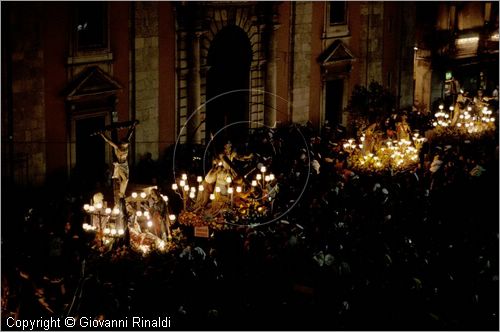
column 86, row 207
column 263, row 169
column 254, row 183
column 171, row 217
column 184, row 176
column 121, row 231
column 199, row 179
column 182, row 183
column 138, row 213
column 212, row 197
column 201, row 188
column 113, row 231
column 230, row 190
column 149, row 223
column 134, row 195
column 238, row 189
column 174, row 186
column 107, row 211
column 217, row 189
column 186, row 188
column 228, row 179
column 143, row 195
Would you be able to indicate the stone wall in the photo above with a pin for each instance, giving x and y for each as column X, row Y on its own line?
column 27, row 58
column 146, row 78
column 371, row 42
column 302, row 26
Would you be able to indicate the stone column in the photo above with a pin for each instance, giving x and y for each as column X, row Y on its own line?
column 194, row 100
column 270, row 95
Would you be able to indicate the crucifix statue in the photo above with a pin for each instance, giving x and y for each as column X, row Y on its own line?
column 121, row 170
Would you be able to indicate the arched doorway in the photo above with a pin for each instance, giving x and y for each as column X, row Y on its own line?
column 229, row 60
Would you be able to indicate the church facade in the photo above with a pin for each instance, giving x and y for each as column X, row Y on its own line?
column 186, row 70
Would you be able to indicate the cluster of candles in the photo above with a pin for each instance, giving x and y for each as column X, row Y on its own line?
column 100, row 216
column 395, row 154
column 470, row 121
column 189, row 193
column 442, row 118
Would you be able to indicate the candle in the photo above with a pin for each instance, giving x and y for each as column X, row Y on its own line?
column 258, row 177
column 217, row 189
column 139, row 213
column 192, row 194
column 149, row 223
column 186, row 188
column 263, row 169
column 238, row 189
column 199, row 179
column 182, row 183
column 171, row 217
column 121, row 231
column 201, row 188
column 228, row 179
column 174, row 186
column 143, row 195
column 254, row 183
column 108, row 211
column 184, row 176
column 116, row 211
column 86, row 207
column 212, row 197
column 113, row 231
column 134, row 195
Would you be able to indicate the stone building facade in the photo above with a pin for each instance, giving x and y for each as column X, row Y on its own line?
column 71, row 68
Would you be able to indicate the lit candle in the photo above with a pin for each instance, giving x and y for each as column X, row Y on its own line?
column 143, row 195
column 121, row 231
column 165, row 198
column 86, row 207
column 149, row 223
column 134, row 195
column 267, row 178
column 184, row 176
column 171, row 217
column 192, row 189
column 139, row 213
column 263, row 169
column 98, row 206
column 146, row 214
column 91, row 208
column 212, row 197
column 107, row 231
column 199, row 179
column 192, row 194
column 230, row 190
column 174, row 186
column 217, row 189
column 238, row 189
column 186, row 188
column 116, row 211
column 201, row 188
column 108, row 211
column 182, row 183
column 113, row 232
column 254, row 183
column 258, row 177
column 228, row 179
